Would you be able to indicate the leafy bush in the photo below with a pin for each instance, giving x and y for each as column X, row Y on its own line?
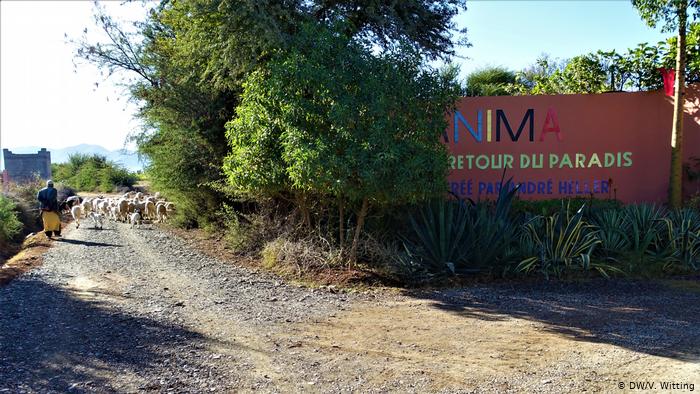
column 489, row 81
column 92, row 173
column 308, row 129
column 10, row 225
column 23, row 196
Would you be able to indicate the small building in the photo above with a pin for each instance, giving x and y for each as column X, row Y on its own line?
column 21, row 168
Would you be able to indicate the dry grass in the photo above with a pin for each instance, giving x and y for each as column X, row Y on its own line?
column 301, row 257
column 29, row 257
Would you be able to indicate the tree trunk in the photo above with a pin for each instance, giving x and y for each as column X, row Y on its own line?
column 341, row 223
column 676, row 180
column 304, row 211
column 356, row 238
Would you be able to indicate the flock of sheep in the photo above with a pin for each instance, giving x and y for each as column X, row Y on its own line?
column 132, row 207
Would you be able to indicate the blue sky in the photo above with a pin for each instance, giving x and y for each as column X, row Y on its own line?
column 45, row 102
column 514, row 33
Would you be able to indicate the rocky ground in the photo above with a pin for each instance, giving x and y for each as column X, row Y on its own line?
column 131, row 310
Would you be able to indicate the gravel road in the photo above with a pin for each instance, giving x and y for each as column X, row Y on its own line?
column 137, row 310
column 123, row 310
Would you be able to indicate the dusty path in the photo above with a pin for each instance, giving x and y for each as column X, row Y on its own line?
column 130, row 310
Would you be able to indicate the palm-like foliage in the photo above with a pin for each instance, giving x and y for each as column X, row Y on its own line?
column 560, row 243
column 491, row 231
column 464, row 236
column 440, row 229
column 644, row 224
column 613, row 234
column 680, row 241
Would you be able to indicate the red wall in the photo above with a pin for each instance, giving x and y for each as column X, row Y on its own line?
column 637, row 123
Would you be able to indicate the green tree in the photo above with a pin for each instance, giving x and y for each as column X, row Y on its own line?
column 583, row 74
column 489, row 81
column 185, row 67
column 616, row 69
column 642, row 66
column 692, row 46
column 308, row 127
column 542, row 77
column 673, row 14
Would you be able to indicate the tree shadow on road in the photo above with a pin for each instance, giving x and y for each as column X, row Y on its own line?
column 644, row 317
column 54, row 340
column 85, row 243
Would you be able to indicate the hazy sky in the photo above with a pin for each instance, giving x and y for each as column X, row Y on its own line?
column 45, row 103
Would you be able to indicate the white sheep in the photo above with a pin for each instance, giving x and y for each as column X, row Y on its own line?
column 123, row 209
column 95, row 203
column 103, row 207
column 114, row 213
column 161, row 212
column 76, row 212
column 86, row 206
column 135, row 219
column 97, row 219
column 149, row 209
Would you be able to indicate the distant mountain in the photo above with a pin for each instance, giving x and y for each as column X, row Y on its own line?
column 123, row 157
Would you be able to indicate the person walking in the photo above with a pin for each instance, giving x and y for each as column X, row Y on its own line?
column 48, row 204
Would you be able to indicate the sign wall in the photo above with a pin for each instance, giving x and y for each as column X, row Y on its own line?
column 612, row 145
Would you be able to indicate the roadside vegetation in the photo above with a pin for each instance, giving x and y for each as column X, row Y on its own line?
column 579, row 239
column 259, row 129
column 93, row 173
column 19, row 215
column 601, row 71
column 10, row 225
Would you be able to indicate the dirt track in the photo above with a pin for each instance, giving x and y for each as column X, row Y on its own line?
column 130, row 310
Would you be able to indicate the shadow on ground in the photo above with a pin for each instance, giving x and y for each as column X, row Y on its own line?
column 85, row 243
column 644, row 317
column 54, row 340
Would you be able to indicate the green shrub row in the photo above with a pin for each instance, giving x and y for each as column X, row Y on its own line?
column 92, row 173
column 578, row 238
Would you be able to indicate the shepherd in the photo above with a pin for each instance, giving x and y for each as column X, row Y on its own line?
column 48, row 204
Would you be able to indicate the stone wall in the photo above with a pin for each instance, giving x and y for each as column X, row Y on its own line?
column 23, row 167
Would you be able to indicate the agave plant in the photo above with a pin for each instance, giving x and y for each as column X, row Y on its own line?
column 644, row 225
column 681, row 239
column 613, row 233
column 440, row 229
column 491, row 232
column 463, row 236
column 559, row 243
